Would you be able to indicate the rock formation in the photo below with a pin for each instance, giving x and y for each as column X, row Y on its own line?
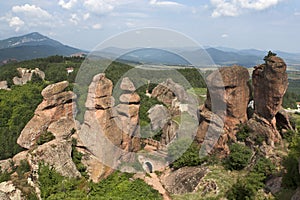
column 3, row 85
column 109, row 131
column 225, row 107
column 183, row 180
column 167, row 91
column 25, row 75
column 269, row 84
column 56, row 107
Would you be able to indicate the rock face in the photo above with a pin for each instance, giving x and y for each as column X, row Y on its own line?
column 225, row 106
column 3, row 85
column 55, row 109
column 109, row 131
column 57, row 154
column 270, row 84
column 26, row 75
column 8, row 191
column 167, row 91
column 183, row 180
column 55, row 115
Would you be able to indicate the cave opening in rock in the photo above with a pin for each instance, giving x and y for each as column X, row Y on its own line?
column 149, row 166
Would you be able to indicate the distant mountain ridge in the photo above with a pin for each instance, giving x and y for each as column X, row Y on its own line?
column 33, row 45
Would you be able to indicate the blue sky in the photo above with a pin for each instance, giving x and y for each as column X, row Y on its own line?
column 241, row 24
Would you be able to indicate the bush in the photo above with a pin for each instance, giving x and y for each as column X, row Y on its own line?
column 76, row 157
column 45, row 137
column 246, row 187
column 239, row 157
column 189, row 158
column 242, row 133
column 4, row 176
column 264, row 166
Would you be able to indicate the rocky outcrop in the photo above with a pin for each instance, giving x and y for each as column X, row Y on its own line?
column 269, row 84
column 183, row 180
column 55, row 109
column 167, row 91
column 159, row 116
column 110, row 131
column 25, row 75
column 225, row 107
column 54, row 114
column 10, row 192
column 3, row 85
column 56, row 153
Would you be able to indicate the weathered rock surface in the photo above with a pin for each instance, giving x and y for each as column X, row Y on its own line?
column 225, row 106
column 270, row 83
column 108, row 130
column 57, row 106
column 274, row 184
column 167, row 91
column 56, row 154
column 4, row 196
column 159, row 116
column 233, row 91
column 183, row 180
column 26, row 75
column 127, row 85
column 10, row 192
column 3, row 85
column 283, row 120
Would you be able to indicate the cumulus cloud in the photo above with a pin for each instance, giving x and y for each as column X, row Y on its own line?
column 235, row 7
column 16, row 22
column 31, row 11
column 164, row 3
column 67, row 5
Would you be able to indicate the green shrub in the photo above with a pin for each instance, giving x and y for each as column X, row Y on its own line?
column 239, row 157
column 243, row 133
column 264, row 166
column 189, row 158
column 45, row 137
column 76, row 157
column 246, row 187
column 4, row 175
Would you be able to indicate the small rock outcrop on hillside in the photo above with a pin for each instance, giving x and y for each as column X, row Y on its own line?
column 25, row 75
column 3, row 85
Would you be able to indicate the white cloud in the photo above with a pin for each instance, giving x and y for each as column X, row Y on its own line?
column 67, row 5
column 224, row 35
column 31, row 11
column 74, row 19
column 236, row 7
column 164, row 3
column 99, row 6
column 97, row 26
column 86, row 16
column 16, row 22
